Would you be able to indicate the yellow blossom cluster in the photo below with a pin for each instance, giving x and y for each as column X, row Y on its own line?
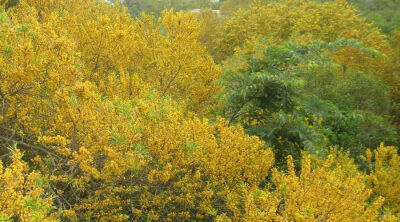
column 22, row 197
column 328, row 189
column 384, row 176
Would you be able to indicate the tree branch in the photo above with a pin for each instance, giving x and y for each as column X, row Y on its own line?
column 20, row 143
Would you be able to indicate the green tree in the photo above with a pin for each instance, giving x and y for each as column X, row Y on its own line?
column 295, row 98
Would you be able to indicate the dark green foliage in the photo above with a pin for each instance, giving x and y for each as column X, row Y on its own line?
column 295, row 98
column 11, row 3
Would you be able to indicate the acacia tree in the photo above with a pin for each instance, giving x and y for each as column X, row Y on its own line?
column 132, row 151
column 296, row 194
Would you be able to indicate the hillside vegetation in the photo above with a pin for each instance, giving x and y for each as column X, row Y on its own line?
column 285, row 110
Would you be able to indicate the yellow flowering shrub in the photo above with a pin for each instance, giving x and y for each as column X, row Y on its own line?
column 325, row 190
column 148, row 160
column 195, row 168
column 296, row 20
column 22, row 197
column 384, row 176
column 92, row 109
column 173, row 60
column 113, row 48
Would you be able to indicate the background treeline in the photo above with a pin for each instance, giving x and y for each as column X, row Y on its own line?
column 269, row 110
